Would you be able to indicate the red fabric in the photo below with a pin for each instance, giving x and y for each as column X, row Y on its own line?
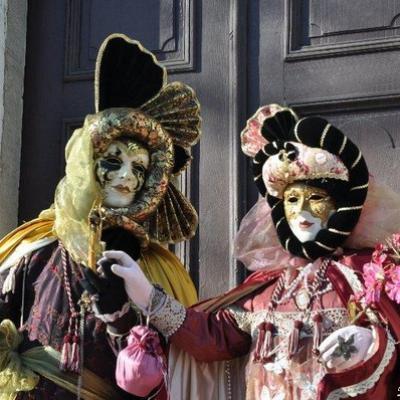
column 211, row 337
column 215, row 336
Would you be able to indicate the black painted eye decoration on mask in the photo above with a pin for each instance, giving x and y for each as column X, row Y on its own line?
column 121, row 172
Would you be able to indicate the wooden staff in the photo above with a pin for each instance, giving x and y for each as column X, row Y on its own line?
column 95, row 224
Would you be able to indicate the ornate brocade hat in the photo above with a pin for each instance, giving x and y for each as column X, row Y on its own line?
column 286, row 149
column 133, row 99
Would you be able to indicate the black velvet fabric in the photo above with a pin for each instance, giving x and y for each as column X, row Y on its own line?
column 181, row 158
column 128, row 76
column 120, row 239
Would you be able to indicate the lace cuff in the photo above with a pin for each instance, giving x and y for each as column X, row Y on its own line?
column 362, row 387
column 168, row 314
column 111, row 317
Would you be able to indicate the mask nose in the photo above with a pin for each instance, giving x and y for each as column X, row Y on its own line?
column 302, row 205
column 125, row 173
column 305, row 205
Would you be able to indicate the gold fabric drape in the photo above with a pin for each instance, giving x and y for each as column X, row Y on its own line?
column 21, row 371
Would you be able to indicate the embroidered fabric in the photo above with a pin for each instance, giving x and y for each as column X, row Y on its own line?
column 311, row 163
column 333, row 319
column 169, row 317
column 158, row 299
column 362, row 387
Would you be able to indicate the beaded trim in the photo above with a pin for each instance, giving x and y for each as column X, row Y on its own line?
column 169, row 318
column 333, row 319
column 365, row 385
column 157, row 299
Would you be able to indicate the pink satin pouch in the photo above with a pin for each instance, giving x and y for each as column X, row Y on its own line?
column 141, row 365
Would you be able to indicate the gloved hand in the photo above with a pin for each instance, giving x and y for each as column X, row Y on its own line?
column 108, row 288
column 137, row 286
column 346, row 347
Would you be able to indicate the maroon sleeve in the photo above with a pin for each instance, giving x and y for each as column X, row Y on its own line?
column 211, row 336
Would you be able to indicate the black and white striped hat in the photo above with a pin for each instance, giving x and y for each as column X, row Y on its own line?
column 284, row 134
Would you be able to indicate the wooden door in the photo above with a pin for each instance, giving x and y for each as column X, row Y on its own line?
column 335, row 58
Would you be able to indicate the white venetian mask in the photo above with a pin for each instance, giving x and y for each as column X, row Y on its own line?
column 121, row 171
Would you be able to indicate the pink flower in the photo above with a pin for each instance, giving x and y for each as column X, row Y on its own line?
column 379, row 256
column 392, row 286
column 374, row 277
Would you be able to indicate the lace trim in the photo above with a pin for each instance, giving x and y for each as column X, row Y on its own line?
column 106, row 318
column 333, row 319
column 356, row 286
column 362, row 387
column 169, row 318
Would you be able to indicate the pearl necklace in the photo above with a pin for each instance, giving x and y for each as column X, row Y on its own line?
column 317, row 287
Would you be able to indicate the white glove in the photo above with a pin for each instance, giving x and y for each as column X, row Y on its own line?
column 346, row 347
column 137, row 286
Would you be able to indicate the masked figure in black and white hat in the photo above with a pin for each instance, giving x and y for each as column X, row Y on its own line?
column 290, row 331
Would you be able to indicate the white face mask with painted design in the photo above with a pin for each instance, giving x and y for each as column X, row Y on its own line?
column 121, row 171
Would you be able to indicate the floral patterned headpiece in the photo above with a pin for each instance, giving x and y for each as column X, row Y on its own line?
column 298, row 162
column 286, row 149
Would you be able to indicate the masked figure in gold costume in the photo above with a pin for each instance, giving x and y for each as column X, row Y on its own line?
column 117, row 194
column 290, row 331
